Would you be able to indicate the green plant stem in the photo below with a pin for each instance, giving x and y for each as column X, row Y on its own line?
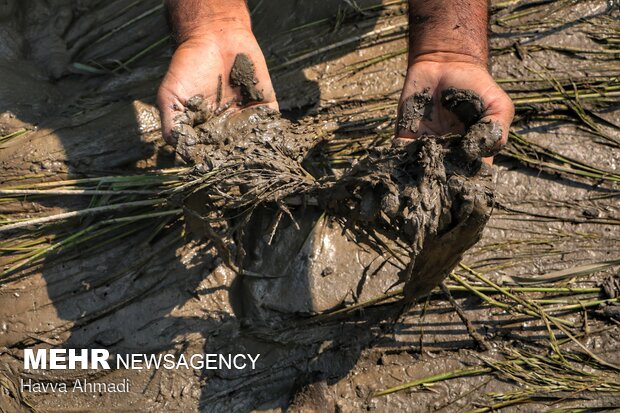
column 80, row 213
column 468, row 372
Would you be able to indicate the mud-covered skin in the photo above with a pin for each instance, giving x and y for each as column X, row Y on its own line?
column 253, row 155
column 466, row 105
column 206, row 140
column 487, row 140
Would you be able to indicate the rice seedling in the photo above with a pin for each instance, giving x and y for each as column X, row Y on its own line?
column 527, row 307
column 467, row 372
column 542, row 12
column 128, row 23
column 112, row 226
column 76, row 214
column 521, row 214
column 97, row 51
column 527, row 49
column 374, row 35
column 535, row 155
column 539, row 378
column 142, row 53
column 359, row 10
column 132, row 203
column 364, row 64
column 12, row 135
column 567, row 274
column 521, row 250
column 575, row 298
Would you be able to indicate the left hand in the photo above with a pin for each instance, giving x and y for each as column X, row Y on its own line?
column 436, row 76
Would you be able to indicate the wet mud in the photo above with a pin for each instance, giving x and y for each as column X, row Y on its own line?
column 242, row 76
column 465, row 104
column 431, row 195
column 276, row 219
column 413, row 109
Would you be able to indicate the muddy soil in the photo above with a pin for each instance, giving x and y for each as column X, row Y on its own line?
column 181, row 299
column 432, row 194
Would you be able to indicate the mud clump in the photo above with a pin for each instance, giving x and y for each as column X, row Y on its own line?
column 415, row 107
column 242, row 76
column 483, row 141
column 431, row 195
column 465, row 104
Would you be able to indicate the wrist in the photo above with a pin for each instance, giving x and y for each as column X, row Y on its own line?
column 449, row 57
column 215, row 30
column 448, row 30
column 207, row 18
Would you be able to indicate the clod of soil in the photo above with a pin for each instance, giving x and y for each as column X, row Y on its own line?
column 465, row 104
column 431, row 195
column 242, row 76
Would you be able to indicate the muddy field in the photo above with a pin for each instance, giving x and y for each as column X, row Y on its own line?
column 529, row 320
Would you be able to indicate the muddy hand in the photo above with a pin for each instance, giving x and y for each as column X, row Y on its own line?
column 224, row 65
column 442, row 98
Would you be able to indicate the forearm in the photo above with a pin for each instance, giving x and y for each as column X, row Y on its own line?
column 190, row 18
column 444, row 30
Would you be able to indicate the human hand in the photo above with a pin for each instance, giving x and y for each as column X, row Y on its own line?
column 202, row 65
column 448, row 95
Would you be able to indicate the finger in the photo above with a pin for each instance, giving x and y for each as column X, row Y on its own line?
column 501, row 111
column 271, row 105
column 422, row 129
column 481, row 141
column 402, row 141
column 274, row 105
column 169, row 108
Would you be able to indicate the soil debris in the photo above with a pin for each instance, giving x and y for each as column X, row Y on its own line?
column 609, row 312
column 242, row 76
column 484, row 140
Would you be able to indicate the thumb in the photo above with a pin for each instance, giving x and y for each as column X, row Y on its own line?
column 501, row 112
column 170, row 107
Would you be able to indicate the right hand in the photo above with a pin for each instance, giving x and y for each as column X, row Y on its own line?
column 195, row 69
